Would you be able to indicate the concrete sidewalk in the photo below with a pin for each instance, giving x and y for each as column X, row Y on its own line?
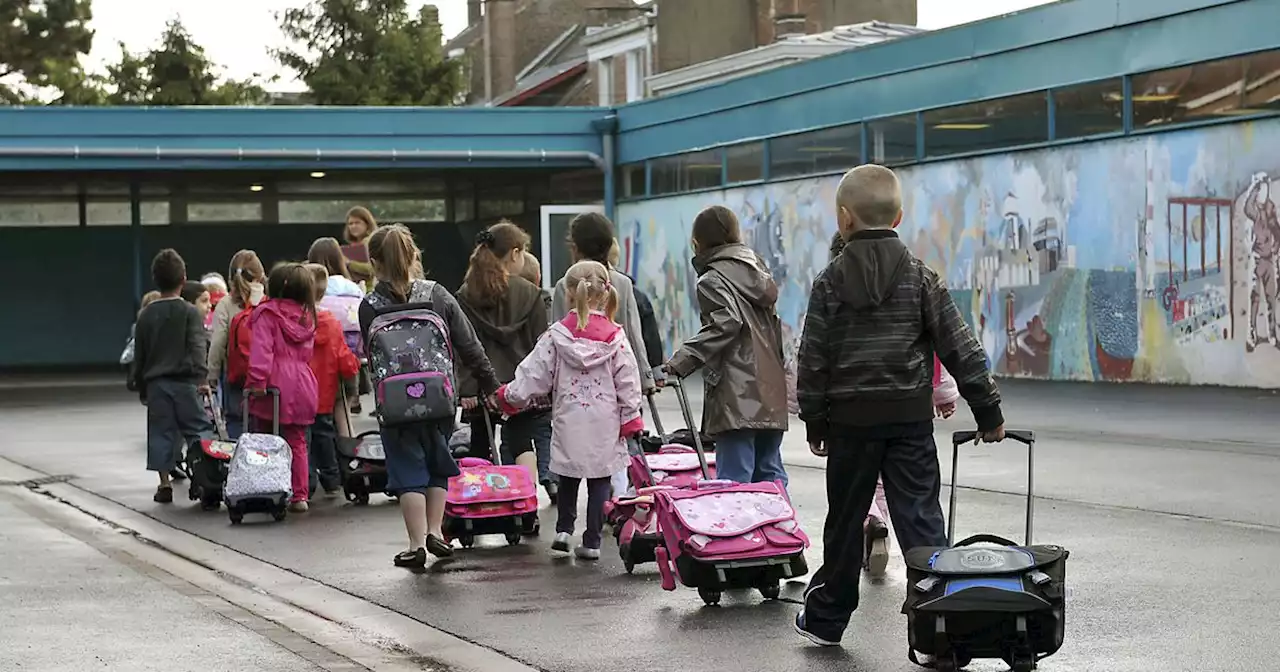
column 68, row 606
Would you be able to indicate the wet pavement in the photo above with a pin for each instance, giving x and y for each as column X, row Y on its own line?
column 1165, row 497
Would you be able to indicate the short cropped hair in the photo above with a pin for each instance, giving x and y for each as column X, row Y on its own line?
column 872, row 194
column 168, row 270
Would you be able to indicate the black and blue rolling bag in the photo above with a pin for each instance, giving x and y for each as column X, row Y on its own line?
column 986, row 596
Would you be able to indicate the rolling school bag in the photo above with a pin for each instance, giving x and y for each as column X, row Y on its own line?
column 490, row 498
column 207, row 460
column 985, row 596
column 720, row 535
column 260, row 476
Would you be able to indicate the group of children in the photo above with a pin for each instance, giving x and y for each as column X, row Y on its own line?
column 567, row 373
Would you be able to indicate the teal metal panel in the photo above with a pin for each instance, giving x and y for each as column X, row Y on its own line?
column 301, row 128
column 1054, row 45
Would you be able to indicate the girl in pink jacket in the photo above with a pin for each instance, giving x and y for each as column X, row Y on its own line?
column 584, row 363
column 284, row 334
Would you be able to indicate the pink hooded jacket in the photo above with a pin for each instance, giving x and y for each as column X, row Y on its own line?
column 944, row 386
column 284, row 336
column 594, row 385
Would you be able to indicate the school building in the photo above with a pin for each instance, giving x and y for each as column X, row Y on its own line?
column 1094, row 178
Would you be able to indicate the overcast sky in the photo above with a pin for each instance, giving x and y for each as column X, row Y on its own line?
column 238, row 33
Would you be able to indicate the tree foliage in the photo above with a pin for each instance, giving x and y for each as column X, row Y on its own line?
column 175, row 72
column 40, row 44
column 369, row 52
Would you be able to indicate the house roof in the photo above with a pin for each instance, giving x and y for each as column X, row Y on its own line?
column 563, row 59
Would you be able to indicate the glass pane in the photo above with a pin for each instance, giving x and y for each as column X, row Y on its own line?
column 464, row 204
column 557, row 259
column 502, row 202
column 1089, row 109
column 213, row 213
column 892, row 141
column 746, row 162
column 117, row 213
column 828, row 150
column 702, row 170
column 631, row 180
column 314, row 212
column 990, row 124
column 47, row 213
column 1214, row 90
column 407, row 210
column 665, row 175
column 330, row 183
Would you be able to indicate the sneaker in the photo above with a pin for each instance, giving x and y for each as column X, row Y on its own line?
column 585, row 553
column 298, row 507
column 800, row 630
column 561, row 543
column 164, row 495
column 876, row 551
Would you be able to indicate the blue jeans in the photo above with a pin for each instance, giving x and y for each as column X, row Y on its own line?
column 750, row 456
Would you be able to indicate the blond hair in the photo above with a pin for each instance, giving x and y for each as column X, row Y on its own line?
column 246, row 268
column 872, row 194
column 590, row 289
column 615, row 254
column 321, row 275
column 532, row 270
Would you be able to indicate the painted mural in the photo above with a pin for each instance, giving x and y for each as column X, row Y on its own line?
column 1144, row 259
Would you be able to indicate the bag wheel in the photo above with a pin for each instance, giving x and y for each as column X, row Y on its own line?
column 709, row 596
column 279, row 514
column 624, row 552
column 513, row 538
column 361, row 499
column 771, row 592
column 467, row 540
column 237, row 515
column 1023, row 662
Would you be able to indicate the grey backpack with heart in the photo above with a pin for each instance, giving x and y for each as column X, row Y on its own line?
column 411, row 361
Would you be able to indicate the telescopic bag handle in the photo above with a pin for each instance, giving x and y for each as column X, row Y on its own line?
column 678, row 384
column 488, row 428
column 657, row 420
column 274, row 393
column 1025, row 437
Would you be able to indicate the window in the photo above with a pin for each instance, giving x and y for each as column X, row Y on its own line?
column 824, row 151
column 39, row 213
column 118, row 213
column 1088, row 109
column 464, row 203
column 502, row 202
column 1218, row 89
column 686, row 172
column 892, row 141
column 631, row 180
column 990, row 124
column 360, row 183
column 224, row 213
column 745, row 162
column 314, row 212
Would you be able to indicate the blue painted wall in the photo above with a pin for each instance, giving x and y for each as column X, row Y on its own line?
column 1139, row 259
column 1053, row 45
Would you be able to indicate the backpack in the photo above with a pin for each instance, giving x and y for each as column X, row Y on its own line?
column 411, row 359
column 347, row 310
column 239, row 339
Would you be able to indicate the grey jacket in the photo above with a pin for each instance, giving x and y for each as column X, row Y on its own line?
column 739, row 346
column 628, row 316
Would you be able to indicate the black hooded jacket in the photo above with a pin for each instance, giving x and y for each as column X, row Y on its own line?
column 876, row 317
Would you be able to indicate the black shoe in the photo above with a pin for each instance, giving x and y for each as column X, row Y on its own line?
column 438, row 547
column 177, row 473
column 415, row 559
column 164, row 495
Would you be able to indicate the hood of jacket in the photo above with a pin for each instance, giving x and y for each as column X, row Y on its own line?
column 870, row 267
column 588, row 349
column 340, row 286
column 743, row 269
column 502, row 320
column 295, row 323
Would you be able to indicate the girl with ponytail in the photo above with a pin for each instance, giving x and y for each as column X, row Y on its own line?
column 419, row 463
column 509, row 316
column 585, row 364
column 246, row 288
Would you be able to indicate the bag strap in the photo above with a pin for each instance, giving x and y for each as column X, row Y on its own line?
column 984, row 538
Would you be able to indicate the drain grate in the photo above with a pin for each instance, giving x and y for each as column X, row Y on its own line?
column 37, row 482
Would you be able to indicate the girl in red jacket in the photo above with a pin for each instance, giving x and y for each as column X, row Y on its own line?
column 332, row 362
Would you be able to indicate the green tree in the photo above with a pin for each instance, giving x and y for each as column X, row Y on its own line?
column 370, row 52
column 175, row 72
column 40, row 44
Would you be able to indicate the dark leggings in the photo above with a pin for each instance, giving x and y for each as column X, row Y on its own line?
column 597, row 492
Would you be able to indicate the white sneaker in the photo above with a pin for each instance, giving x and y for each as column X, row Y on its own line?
column 585, row 553
column 561, row 543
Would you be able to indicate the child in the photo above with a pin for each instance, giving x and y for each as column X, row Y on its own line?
column 196, row 294
column 342, row 298
column 419, row 463
column 875, row 529
column 876, row 317
column 332, row 363
column 284, row 334
column 586, row 365
column 532, row 272
column 245, row 291
column 740, row 345
column 217, row 286
column 126, row 357
column 169, row 371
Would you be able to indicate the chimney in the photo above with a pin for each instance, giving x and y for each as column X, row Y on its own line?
column 500, row 47
column 785, row 25
column 474, row 12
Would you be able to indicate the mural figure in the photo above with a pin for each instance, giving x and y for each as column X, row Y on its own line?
column 1261, row 210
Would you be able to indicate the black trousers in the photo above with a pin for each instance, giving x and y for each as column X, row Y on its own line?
column 905, row 457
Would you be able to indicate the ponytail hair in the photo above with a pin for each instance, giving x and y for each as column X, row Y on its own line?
column 486, row 277
column 293, row 281
column 396, row 259
column 245, row 268
column 590, row 289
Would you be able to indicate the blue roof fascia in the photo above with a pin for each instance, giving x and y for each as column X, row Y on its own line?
column 1053, row 45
